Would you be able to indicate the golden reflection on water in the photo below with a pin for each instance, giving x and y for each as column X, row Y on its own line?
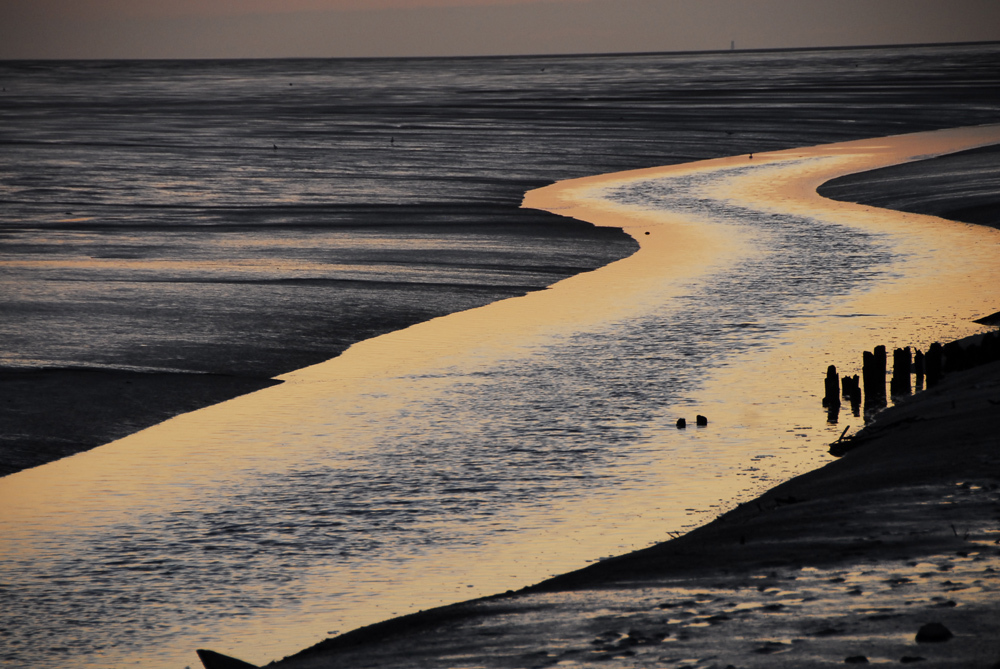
column 765, row 426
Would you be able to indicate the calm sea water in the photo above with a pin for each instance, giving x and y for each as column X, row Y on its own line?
column 205, row 216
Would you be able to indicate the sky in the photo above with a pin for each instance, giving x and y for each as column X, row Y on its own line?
column 374, row 28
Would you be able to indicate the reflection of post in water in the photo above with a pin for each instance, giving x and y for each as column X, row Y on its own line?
column 902, row 360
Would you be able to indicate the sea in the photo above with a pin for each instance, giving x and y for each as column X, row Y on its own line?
column 254, row 217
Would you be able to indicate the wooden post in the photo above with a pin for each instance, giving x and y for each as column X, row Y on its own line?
column 831, row 397
column 932, row 364
column 901, row 362
column 880, row 368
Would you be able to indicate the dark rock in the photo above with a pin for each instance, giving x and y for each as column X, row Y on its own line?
column 856, row 659
column 933, row 633
column 681, row 423
column 701, row 420
column 910, row 659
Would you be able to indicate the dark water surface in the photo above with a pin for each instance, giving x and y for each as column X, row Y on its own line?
column 247, row 218
column 963, row 186
column 148, row 221
column 251, row 217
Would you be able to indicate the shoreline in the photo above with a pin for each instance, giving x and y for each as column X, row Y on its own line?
column 437, row 630
column 849, row 560
column 61, row 408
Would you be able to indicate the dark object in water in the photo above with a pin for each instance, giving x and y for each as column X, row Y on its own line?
column 831, row 398
column 212, row 660
column 856, row 659
column 933, row 363
column 851, row 390
column 873, row 377
column 681, row 423
column 701, row 420
column 933, row 633
column 902, row 360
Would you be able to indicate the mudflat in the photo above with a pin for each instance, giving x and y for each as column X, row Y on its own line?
column 888, row 554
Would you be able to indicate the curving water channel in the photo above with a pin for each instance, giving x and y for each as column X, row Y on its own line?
column 489, row 449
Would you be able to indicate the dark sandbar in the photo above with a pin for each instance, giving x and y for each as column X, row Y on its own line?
column 963, row 186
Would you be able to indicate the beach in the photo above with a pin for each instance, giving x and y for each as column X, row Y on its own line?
column 473, row 449
column 847, row 562
column 888, row 554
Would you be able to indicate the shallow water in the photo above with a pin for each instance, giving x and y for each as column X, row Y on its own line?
column 447, row 461
column 464, row 456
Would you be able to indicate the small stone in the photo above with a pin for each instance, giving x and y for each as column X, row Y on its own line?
column 856, row 659
column 910, row 659
column 681, row 423
column 701, row 420
column 933, row 633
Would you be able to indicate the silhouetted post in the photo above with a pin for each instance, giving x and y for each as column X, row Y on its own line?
column 932, row 363
column 880, row 367
column 851, row 388
column 832, row 396
column 901, row 361
column 918, row 368
column 873, row 373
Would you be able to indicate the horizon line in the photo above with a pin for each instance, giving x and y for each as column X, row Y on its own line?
column 609, row 54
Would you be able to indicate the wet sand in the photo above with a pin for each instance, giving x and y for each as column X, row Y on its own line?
column 848, row 561
column 199, row 338
column 844, row 563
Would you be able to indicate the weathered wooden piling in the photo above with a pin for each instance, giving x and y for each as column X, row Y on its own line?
column 933, row 364
column 918, row 368
column 868, row 372
column 873, row 373
column 902, row 360
column 880, row 368
column 831, row 398
column 851, row 389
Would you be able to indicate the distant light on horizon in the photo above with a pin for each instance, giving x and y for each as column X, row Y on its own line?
column 371, row 28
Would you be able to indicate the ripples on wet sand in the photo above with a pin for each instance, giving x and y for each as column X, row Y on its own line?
column 490, row 449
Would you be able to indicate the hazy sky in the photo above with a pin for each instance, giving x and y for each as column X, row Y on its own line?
column 289, row 28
